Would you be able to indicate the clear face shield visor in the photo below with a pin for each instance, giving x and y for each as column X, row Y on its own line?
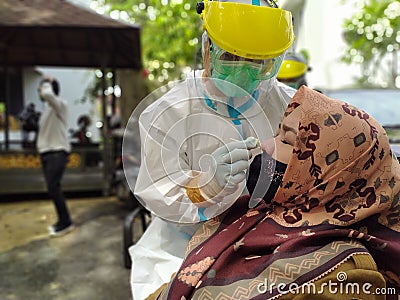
column 226, row 63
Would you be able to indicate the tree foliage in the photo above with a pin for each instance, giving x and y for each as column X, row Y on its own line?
column 373, row 36
column 170, row 33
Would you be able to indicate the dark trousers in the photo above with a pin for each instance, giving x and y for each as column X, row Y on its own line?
column 53, row 164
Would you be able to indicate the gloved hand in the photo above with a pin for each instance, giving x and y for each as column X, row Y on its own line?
column 226, row 167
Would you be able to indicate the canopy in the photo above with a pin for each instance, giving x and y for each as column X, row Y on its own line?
column 58, row 33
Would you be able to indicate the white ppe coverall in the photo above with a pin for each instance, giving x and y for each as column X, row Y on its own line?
column 177, row 132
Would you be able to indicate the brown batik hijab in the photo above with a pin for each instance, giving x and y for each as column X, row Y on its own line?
column 342, row 169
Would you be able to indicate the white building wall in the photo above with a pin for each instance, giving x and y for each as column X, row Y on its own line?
column 321, row 35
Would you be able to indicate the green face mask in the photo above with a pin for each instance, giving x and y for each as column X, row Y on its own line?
column 236, row 81
column 242, row 74
column 295, row 83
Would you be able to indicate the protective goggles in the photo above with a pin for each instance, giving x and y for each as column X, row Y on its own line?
column 227, row 63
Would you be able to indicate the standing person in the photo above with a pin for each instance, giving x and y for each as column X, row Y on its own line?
column 29, row 123
column 54, row 147
column 196, row 140
column 293, row 70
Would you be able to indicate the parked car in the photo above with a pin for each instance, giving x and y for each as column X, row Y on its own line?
column 382, row 104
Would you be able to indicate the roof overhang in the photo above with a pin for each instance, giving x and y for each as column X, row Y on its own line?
column 57, row 33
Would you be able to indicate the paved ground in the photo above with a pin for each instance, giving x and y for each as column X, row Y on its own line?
column 86, row 264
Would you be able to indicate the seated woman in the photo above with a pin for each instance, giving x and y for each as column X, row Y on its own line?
column 328, row 226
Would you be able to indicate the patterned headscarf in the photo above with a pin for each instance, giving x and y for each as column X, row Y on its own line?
column 342, row 169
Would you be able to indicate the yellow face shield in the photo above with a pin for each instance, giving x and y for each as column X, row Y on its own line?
column 250, row 31
column 291, row 69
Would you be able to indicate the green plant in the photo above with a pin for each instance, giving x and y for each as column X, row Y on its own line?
column 170, row 34
column 372, row 36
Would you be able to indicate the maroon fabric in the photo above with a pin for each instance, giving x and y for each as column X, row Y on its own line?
column 262, row 237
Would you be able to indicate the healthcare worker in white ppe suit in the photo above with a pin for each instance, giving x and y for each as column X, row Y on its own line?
column 197, row 140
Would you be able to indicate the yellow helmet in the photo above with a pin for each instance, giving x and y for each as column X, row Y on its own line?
column 246, row 30
column 292, row 66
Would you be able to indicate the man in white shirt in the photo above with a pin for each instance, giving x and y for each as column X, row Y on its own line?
column 54, row 147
